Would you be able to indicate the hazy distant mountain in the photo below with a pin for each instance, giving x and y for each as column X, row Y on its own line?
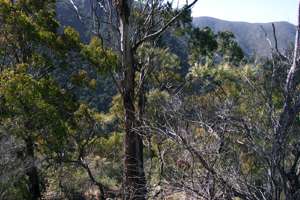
column 251, row 36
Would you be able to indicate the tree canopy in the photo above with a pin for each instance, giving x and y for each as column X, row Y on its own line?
column 128, row 116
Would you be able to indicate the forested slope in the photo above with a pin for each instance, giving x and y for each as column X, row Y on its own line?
column 124, row 99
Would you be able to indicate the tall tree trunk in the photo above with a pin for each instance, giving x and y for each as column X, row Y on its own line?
column 134, row 177
column 32, row 172
column 286, row 120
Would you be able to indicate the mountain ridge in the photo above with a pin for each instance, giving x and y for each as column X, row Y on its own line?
column 233, row 21
column 252, row 37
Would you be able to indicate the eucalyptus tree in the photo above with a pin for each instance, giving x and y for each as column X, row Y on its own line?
column 25, row 27
column 35, row 107
column 209, row 48
column 131, row 24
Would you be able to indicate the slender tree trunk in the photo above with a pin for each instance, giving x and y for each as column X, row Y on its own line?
column 286, row 120
column 32, row 172
column 134, row 177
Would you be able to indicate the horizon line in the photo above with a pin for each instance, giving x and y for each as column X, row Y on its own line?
column 241, row 21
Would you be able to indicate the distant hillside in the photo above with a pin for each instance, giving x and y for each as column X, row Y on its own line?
column 251, row 36
column 66, row 15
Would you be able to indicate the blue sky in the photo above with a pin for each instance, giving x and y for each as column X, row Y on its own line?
column 248, row 10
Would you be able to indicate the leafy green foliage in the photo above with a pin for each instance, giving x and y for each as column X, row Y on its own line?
column 51, row 88
column 230, row 48
column 204, row 42
column 162, row 65
column 208, row 48
column 104, row 59
column 35, row 108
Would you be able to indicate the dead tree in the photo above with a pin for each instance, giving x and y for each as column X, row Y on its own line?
column 290, row 110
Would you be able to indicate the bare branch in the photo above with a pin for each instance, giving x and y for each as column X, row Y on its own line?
column 167, row 25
